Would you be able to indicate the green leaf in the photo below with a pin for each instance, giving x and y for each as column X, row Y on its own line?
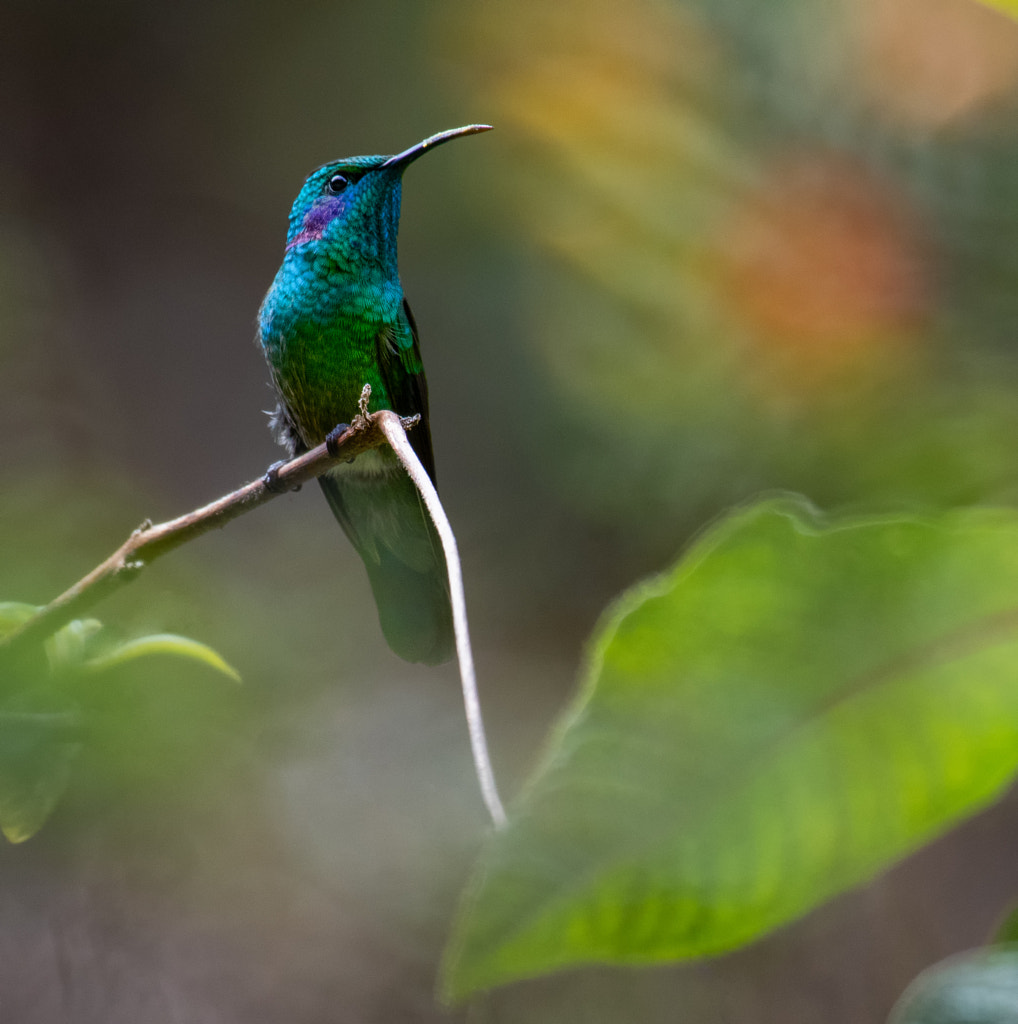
column 67, row 647
column 37, row 750
column 976, row 988
column 792, row 708
column 13, row 614
column 164, row 644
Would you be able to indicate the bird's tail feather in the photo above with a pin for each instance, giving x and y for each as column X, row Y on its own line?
column 386, row 522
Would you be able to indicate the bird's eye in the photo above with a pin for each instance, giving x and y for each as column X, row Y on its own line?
column 337, row 183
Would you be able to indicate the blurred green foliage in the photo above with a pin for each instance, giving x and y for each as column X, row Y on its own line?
column 51, row 707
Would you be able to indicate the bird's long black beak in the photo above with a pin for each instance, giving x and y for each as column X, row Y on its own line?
column 409, row 155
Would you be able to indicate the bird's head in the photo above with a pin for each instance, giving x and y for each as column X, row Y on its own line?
column 348, row 210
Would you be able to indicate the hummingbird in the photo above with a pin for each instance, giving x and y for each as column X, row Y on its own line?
column 334, row 319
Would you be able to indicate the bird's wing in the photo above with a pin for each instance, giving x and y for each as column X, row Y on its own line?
column 399, row 357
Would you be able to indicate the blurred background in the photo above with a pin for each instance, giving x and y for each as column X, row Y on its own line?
column 713, row 248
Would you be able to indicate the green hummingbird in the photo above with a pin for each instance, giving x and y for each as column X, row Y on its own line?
column 335, row 319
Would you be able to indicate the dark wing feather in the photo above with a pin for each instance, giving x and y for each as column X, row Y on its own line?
column 399, row 356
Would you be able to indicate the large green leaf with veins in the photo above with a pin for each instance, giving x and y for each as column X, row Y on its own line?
column 795, row 706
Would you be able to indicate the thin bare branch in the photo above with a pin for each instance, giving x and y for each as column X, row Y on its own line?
column 150, row 542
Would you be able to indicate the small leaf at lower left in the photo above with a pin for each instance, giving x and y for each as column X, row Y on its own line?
column 165, row 644
column 37, row 750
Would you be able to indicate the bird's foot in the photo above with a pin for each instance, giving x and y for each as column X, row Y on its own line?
column 273, row 483
column 333, row 437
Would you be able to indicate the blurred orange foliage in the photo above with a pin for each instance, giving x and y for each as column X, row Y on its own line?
column 824, row 259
